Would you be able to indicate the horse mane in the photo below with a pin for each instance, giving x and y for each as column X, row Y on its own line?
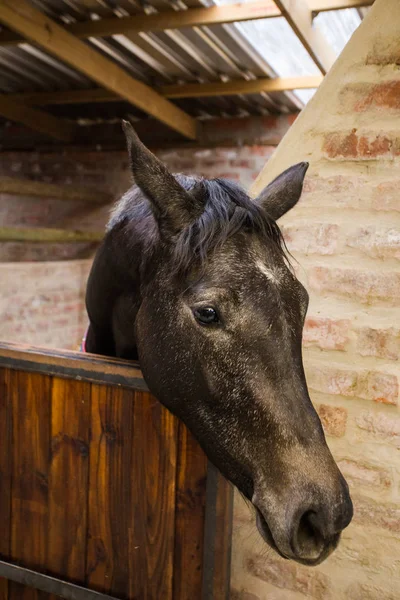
column 227, row 210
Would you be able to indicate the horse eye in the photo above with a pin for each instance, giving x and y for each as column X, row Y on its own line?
column 206, row 315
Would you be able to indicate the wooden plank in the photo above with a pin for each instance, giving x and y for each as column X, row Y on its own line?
column 37, row 119
column 323, row 5
column 151, row 547
column 168, row 19
column 299, row 16
column 189, row 90
column 261, row 9
column 5, row 471
column 30, row 394
column 278, row 84
column 35, row 26
column 48, row 235
column 217, row 537
column 66, row 97
column 189, row 517
column 110, row 499
column 72, row 365
column 68, row 479
column 27, row 187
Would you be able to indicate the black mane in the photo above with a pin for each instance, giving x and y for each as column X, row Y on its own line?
column 227, row 210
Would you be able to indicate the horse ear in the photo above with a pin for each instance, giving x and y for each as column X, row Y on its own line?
column 284, row 191
column 174, row 208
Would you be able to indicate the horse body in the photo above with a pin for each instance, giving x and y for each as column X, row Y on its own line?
column 192, row 279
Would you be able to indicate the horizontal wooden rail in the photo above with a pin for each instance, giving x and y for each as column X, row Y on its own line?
column 261, row 9
column 48, row 236
column 38, row 120
column 73, row 365
column 229, row 88
column 27, row 187
column 217, row 88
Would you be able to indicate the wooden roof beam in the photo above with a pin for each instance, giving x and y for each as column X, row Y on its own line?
column 170, row 19
column 230, row 88
column 324, row 5
column 299, row 16
column 36, row 119
column 261, row 9
column 189, row 90
column 37, row 27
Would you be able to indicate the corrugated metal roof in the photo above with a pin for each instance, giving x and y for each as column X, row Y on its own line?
column 262, row 48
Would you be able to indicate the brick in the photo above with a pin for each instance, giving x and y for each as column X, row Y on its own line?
column 369, row 385
column 352, row 146
column 326, row 334
column 385, row 196
column 333, row 419
column 365, row 286
column 288, row 576
column 381, row 515
column 360, row 473
column 362, row 97
column 242, row 163
column 336, row 191
column 356, row 551
column 311, row 238
column 375, row 242
column 381, row 426
column 362, row 591
column 383, row 343
column 384, row 52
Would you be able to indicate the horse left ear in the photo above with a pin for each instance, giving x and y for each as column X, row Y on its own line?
column 173, row 207
column 283, row 192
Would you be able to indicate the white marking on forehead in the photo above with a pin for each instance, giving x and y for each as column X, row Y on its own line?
column 269, row 273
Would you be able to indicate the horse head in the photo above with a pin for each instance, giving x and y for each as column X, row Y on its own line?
column 193, row 279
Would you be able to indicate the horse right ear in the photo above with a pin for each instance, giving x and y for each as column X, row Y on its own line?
column 284, row 191
column 174, row 208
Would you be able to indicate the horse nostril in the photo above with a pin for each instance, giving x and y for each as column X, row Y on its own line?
column 308, row 541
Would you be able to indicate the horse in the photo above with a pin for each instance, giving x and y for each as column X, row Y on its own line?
column 193, row 279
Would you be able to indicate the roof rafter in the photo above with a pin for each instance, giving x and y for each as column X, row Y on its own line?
column 37, row 27
column 299, row 16
column 323, row 5
column 190, row 90
column 229, row 88
column 260, row 9
column 36, row 119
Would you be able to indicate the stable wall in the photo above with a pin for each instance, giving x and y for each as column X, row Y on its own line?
column 345, row 234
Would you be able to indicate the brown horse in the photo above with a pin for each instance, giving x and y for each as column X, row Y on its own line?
column 193, row 280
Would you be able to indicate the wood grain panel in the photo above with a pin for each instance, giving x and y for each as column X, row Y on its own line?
column 5, row 472
column 189, row 516
column 68, row 482
column 154, row 454
column 110, row 498
column 30, row 397
column 217, row 536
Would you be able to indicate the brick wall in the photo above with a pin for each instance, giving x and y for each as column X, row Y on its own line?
column 43, row 303
column 345, row 234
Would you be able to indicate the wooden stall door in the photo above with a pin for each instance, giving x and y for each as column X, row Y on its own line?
column 102, row 487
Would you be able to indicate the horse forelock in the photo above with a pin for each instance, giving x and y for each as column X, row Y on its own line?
column 227, row 210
